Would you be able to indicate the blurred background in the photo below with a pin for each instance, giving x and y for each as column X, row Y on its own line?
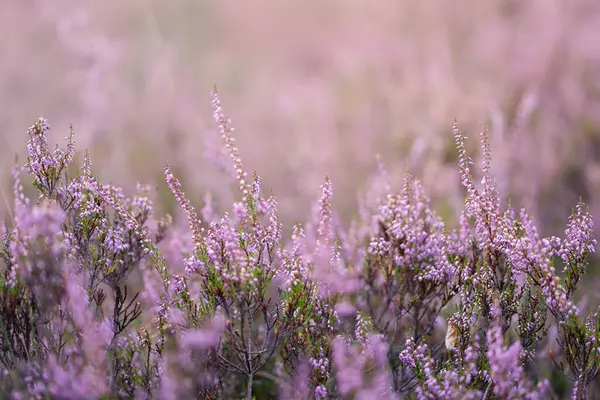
column 314, row 89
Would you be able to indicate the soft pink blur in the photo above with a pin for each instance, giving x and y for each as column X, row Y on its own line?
column 314, row 89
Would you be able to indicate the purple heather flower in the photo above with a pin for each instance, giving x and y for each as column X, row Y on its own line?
column 193, row 220
column 38, row 252
column 226, row 131
column 579, row 240
column 507, row 372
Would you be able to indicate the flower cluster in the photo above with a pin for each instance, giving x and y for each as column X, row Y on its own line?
column 95, row 303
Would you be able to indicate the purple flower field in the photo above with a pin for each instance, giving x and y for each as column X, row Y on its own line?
column 100, row 298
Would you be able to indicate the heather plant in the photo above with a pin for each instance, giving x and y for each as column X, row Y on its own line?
column 399, row 305
column 65, row 256
column 510, row 277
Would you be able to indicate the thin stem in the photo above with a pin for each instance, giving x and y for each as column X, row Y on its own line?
column 488, row 391
column 249, row 387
